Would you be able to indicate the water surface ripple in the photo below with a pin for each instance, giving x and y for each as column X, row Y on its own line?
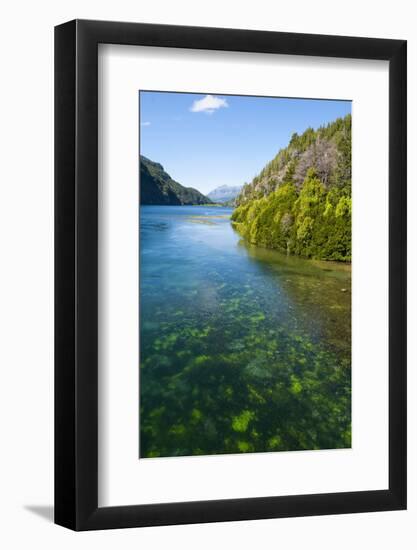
column 242, row 349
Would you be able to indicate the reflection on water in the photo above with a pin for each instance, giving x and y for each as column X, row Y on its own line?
column 242, row 349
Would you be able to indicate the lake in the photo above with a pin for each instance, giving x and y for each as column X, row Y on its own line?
column 242, row 349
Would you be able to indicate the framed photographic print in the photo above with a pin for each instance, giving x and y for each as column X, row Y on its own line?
column 230, row 275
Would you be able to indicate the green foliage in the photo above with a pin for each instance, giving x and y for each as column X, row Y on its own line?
column 315, row 223
column 240, row 423
column 310, row 216
column 327, row 149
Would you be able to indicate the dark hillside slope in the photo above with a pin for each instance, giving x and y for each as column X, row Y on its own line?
column 157, row 187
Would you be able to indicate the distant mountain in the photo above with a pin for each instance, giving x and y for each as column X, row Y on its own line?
column 157, row 187
column 225, row 193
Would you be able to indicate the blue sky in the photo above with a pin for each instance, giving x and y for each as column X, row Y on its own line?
column 208, row 140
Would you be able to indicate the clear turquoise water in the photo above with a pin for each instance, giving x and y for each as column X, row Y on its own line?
column 242, row 349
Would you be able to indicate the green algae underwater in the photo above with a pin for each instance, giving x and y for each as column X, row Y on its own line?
column 242, row 349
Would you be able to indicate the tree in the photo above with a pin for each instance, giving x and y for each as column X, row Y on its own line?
column 301, row 201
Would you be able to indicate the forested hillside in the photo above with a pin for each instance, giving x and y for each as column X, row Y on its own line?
column 301, row 201
column 157, row 187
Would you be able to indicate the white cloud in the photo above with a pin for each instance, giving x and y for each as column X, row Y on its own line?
column 145, row 123
column 208, row 104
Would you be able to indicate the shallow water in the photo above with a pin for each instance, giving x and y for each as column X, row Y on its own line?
column 242, row 349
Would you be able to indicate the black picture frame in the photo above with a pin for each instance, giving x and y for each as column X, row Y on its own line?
column 76, row 272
